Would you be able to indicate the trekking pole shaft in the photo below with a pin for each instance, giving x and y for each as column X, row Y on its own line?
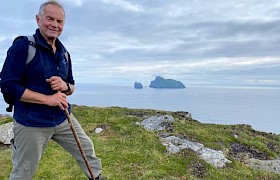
column 78, row 142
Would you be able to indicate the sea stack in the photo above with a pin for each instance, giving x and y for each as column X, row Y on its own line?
column 160, row 82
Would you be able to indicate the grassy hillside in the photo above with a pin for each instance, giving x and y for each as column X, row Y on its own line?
column 130, row 152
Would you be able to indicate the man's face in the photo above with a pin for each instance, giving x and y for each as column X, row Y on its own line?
column 51, row 22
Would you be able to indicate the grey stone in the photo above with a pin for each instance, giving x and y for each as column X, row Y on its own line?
column 98, row 130
column 171, row 148
column 175, row 144
column 268, row 165
column 6, row 133
column 156, row 122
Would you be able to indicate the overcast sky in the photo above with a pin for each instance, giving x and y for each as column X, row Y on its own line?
column 194, row 41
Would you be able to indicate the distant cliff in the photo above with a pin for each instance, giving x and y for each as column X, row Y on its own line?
column 160, row 82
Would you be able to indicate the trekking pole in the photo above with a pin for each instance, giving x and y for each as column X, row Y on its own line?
column 78, row 142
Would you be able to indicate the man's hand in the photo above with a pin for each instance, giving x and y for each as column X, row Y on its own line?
column 58, row 99
column 57, row 84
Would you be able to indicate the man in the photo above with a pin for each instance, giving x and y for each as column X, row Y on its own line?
column 40, row 89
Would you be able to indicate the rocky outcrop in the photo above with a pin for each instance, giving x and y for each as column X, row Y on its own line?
column 175, row 144
column 160, row 82
column 157, row 123
column 138, row 85
column 269, row 165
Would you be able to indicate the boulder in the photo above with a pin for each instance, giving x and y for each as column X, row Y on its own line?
column 157, row 122
column 6, row 133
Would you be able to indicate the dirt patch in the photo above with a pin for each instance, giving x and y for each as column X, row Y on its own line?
column 4, row 116
column 254, row 158
column 3, row 146
column 103, row 126
column 198, row 169
column 240, row 152
column 141, row 114
column 273, row 147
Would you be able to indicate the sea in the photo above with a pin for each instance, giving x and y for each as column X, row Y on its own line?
column 257, row 106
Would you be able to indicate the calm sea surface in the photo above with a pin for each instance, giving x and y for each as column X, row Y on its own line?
column 256, row 106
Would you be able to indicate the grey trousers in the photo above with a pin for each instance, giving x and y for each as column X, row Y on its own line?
column 30, row 142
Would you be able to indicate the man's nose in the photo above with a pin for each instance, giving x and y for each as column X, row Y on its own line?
column 54, row 23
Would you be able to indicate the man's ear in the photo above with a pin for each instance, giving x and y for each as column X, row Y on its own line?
column 37, row 19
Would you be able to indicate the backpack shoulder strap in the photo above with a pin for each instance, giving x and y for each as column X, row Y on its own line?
column 31, row 49
column 66, row 54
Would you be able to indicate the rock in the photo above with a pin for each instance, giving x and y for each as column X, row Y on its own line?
column 157, row 122
column 160, row 82
column 175, row 145
column 268, row 165
column 214, row 157
column 164, row 134
column 137, row 123
column 98, row 130
column 183, row 115
column 138, row 85
column 6, row 133
column 171, row 148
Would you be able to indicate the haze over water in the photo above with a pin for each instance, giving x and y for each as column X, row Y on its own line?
column 256, row 106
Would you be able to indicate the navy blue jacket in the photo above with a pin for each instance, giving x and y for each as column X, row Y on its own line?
column 16, row 76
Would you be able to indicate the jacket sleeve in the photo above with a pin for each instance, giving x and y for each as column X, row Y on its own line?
column 12, row 74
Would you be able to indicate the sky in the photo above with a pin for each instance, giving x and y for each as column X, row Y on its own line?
column 194, row 41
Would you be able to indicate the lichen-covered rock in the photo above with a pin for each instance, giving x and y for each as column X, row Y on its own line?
column 175, row 145
column 157, row 122
column 6, row 133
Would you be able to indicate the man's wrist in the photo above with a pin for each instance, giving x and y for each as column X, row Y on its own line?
column 68, row 88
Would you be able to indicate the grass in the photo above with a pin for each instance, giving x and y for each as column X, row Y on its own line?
column 130, row 152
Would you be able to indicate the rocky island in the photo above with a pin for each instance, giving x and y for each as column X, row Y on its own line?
column 160, row 82
column 138, row 85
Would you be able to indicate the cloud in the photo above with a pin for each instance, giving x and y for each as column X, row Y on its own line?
column 124, row 4
column 192, row 39
column 75, row 2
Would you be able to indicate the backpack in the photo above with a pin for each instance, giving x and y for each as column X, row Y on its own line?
column 31, row 54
